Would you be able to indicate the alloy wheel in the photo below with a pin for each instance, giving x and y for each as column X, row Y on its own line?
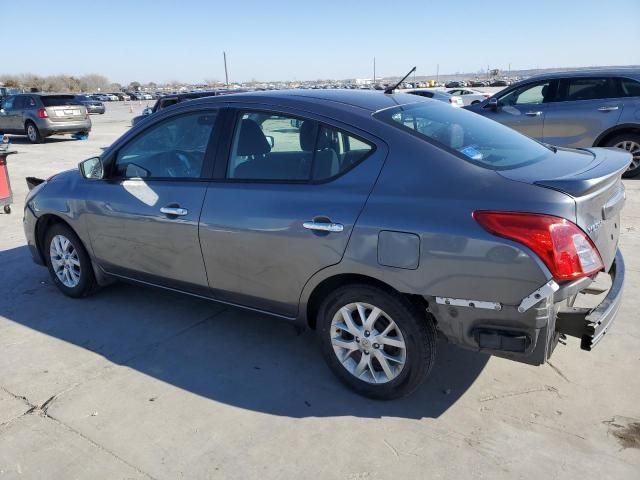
column 368, row 343
column 634, row 149
column 32, row 133
column 65, row 261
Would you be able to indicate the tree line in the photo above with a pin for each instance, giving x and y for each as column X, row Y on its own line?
column 67, row 83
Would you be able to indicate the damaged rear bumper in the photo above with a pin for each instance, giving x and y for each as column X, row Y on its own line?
column 591, row 324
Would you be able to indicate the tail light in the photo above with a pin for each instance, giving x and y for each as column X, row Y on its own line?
column 564, row 248
column 42, row 113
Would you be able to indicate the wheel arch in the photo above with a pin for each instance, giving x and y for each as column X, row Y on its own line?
column 43, row 224
column 311, row 304
column 617, row 130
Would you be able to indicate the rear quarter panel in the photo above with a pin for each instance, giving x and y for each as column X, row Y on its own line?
column 425, row 191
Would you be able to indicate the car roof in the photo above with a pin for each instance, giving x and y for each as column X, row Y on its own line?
column 607, row 72
column 368, row 100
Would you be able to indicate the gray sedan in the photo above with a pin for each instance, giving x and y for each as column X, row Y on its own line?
column 375, row 219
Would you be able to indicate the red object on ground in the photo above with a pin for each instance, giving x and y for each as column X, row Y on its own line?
column 6, row 196
column 5, row 189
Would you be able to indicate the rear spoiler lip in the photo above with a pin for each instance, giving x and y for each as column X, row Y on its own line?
column 614, row 162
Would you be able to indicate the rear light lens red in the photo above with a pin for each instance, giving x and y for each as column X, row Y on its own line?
column 564, row 248
column 42, row 113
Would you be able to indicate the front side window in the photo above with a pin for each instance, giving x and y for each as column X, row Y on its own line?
column 173, row 148
column 472, row 137
column 7, row 103
column 575, row 89
column 269, row 147
column 528, row 94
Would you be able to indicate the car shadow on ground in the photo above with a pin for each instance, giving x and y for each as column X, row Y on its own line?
column 225, row 354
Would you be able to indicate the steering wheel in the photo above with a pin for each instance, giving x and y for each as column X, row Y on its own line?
column 182, row 164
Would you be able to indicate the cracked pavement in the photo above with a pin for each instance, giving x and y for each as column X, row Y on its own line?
column 137, row 383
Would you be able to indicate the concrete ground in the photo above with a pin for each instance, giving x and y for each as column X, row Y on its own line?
column 138, row 383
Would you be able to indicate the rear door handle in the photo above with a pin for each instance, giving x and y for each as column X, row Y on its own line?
column 608, row 109
column 174, row 211
column 533, row 114
column 324, row 226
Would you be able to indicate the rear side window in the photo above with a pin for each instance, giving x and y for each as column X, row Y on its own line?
column 58, row 100
column 472, row 137
column 630, row 88
column 268, row 147
column 575, row 89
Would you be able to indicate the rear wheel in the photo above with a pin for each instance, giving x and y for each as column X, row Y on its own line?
column 376, row 342
column 33, row 134
column 68, row 261
column 631, row 143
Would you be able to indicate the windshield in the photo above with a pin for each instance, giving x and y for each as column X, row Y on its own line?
column 468, row 135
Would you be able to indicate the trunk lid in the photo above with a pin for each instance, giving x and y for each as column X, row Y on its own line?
column 593, row 178
column 63, row 108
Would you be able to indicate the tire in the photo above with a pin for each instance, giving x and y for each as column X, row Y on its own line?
column 33, row 134
column 631, row 143
column 412, row 328
column 85, row 282
column 7, row 209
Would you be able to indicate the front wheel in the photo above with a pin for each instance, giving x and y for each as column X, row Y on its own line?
column 7, row 209
column 631, row 143
column 68, row 262
column 376, row 342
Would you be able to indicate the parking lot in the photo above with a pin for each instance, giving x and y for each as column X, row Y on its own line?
column 138, row 383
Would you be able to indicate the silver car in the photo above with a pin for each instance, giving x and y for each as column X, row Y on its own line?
column 586, row 108
column 375, row 219
column 40, row 115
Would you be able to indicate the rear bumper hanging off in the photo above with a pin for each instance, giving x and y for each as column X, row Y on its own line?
column 591, row 324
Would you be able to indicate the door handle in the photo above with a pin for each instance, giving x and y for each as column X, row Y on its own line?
column 175, row 211
column 324, row 226
column 533, row 114
column 608, row 109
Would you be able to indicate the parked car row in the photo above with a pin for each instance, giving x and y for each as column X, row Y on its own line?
column 476, row 83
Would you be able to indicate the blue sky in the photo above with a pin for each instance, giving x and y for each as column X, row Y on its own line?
column 183, row 40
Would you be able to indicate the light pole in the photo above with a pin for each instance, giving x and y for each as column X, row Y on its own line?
column 226, row 73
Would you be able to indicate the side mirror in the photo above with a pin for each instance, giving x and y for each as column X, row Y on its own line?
column 91, row 169
column 270, row 140
column 493, row 104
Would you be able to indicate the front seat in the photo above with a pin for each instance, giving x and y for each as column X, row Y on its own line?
column 254, row 145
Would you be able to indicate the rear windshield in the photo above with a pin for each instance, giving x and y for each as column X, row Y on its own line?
column 470, row 136
column 58, row 100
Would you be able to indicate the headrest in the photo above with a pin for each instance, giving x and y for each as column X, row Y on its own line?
column 252, row 141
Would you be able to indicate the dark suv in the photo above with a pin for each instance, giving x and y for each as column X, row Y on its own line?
column 39, row 115
column 595, row 108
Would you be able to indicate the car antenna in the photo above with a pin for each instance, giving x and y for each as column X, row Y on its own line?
column 389, row 90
